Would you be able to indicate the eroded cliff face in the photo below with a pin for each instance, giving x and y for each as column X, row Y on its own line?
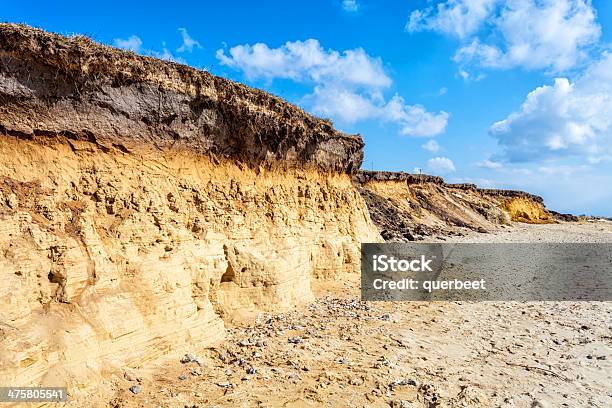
column 406, row 206
column 144, row 203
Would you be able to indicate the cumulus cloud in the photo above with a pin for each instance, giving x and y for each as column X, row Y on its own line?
column 459, row 18
column 441, row 165
column 188, row 43
column 533, row 34
column 414, row 120
column 342, row 103
column 431, row 146
column 306, row 60
column 133, row 43
column 347, row 85
column 562, row 119
column 350, row 5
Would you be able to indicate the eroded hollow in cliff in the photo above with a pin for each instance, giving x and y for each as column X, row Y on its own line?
column 229, row 275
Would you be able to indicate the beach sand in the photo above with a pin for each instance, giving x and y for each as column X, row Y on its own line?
column 339, row 351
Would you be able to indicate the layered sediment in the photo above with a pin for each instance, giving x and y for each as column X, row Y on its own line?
column 407, row 207
column 145, row 204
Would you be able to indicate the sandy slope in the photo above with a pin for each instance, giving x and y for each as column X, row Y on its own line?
column 341, row 352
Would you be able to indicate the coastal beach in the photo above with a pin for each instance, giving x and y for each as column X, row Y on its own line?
column 338, row 351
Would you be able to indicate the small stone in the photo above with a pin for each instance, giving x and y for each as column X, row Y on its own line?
column 224, row 384
column 295, row 340
column 260, row 343
column 398, row 383
column 188, row 358
column 251, row 370
column 385, row 317
column 228, row 372
column 196, row 373
column 135, row 389
column 183, row 377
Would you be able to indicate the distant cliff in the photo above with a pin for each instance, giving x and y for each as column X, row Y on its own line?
column 407, row 207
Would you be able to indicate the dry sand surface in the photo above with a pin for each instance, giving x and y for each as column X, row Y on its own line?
column 340, row 352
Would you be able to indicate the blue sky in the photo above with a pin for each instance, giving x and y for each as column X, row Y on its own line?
column 505, row 94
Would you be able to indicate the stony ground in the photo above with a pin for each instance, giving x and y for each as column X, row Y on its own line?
column 339, row 351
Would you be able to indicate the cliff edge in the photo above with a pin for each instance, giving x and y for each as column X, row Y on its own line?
column 53, row 85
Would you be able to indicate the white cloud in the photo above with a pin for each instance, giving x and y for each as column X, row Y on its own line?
column 487, row 55
column 563, row 119
column 466, row 76
column 431, row 146
column 414, row 120
column 188, row 43
column 306, row 60
column 133, row 43
column 489, row 164
column 441, row 165
column 343, row 104
column 350, row 5
column 533, row 34
column 350, row 107
column 459, row 18
column 347, row 85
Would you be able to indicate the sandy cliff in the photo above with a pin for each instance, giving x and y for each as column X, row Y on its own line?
column 406, row 206
column 144, row 203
